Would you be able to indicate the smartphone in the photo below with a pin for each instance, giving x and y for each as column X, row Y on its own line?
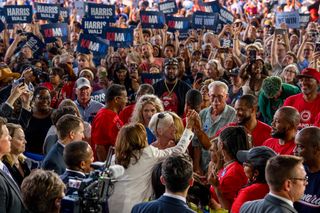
column 223, row 50
column 252, row 56
column 280, row 31
column 199, row 76
column 317, row 49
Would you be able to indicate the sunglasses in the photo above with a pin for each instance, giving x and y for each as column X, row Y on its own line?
column 160, row 116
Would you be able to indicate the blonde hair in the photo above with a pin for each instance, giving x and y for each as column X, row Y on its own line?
column 130, row 142
column 178, row 125
column 217, row 64
column 157, row 123
column 142, row 101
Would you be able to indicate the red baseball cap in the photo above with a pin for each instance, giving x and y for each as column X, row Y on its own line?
column 310, row 73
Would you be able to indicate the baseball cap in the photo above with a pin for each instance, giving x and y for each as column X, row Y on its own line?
column 310, row 73
column 256, row 156
column 83, row 82
column 171, row 61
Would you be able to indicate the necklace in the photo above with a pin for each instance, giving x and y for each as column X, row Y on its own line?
column 174, row 86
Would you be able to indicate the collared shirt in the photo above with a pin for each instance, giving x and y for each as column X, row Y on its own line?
column 81, row 173
column 90, row 111
column 289, row 202
column 211, row 127
column 168, row 194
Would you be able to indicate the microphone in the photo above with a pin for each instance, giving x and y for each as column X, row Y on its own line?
column 115, row 171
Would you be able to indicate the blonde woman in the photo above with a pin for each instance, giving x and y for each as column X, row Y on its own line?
column 139, row 159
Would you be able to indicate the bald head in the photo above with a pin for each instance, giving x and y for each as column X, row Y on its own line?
column 311, row 135
column 290, row 115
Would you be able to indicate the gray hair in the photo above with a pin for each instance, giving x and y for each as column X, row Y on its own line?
column 163, row 122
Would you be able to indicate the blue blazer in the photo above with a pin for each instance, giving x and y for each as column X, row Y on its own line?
column 54, row 160
column 164, row 204
column 269, row 204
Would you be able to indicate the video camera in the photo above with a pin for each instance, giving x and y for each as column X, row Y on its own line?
column 91, row 194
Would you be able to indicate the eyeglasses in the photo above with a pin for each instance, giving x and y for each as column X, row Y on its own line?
column 305, row 179
column 160, row 116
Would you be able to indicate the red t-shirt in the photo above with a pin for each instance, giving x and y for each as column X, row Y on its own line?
column 231, row 180
column 105, row 128
column 126, row 113
column 259, row 134
column 253, row 192
column 308, row 110
column 58, row 96
column 286, row 149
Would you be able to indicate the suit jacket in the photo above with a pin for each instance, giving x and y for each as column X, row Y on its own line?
column 268, row 204
column 164, row 204
column 54, row 160
column 10, row 199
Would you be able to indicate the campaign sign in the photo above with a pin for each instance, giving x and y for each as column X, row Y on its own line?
column 48, row 11
column 168, row 7
column 152, row 19
column 79, row 6
column 65, row 13
column 50, row 32
column 181, row 24
column 292, row 19
column 119, row 37
column 210, row 7
column 304, row 20
column 16, row 14
column 94, row 26
column 100, row 11
column 35, row 44
column 225, row 16
column 1, row 26
column 2, row 15
column 96, row 45
column 201, row 20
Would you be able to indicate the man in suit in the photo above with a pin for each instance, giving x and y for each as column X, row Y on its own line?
column 11, row 201
column 78, row 157
column 287, row 181
column 69, row 128
column 176, row 176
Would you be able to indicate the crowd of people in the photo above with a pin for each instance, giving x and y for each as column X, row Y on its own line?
column 204, row 121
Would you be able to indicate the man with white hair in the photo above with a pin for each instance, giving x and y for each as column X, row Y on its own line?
column 215, row 116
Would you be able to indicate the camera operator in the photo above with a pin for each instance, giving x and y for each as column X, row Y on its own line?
column 78, row 157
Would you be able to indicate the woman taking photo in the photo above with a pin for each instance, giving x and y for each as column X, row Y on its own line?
column 139, row 159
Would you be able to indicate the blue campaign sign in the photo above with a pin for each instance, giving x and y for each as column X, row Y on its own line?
column 304, row 20
column 152, row 19
column 1, row 26
column 203, row 20
column 94, row 26
column 91, row 43
column 225, row 16
column 47, row 11
column 65, row 13
column 210, row 7
column 50, row 32
column 181, row 24
column 100, row 11
column 36, row 45
column 16, row 14
column 119, row 37
column 292, row 19
column 168, row 7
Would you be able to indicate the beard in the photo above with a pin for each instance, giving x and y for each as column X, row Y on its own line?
column 170, row 78
column 243, row 121
column 279, row 134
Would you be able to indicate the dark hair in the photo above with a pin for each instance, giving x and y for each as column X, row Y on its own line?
column 145, row 89
column 38, row 90
column 157, row 186
column 234, row 138
column 279, row 169
column 58, row 113
column 177, row 171
column 40, row 190
column 74, row 153
column 250, row 100
column 193, row 98
column 113, row 91
column 66, row 124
